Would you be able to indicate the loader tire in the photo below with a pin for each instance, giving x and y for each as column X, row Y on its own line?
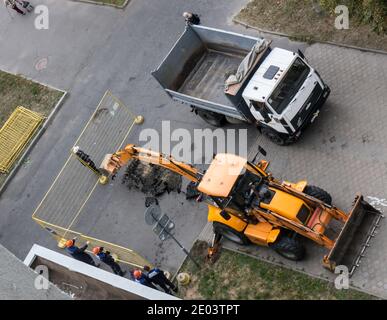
column 289, row 247
column 212, row 118
column 230, row 233
column 318, row 193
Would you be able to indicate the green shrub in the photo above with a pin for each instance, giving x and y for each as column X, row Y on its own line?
column 372, row 12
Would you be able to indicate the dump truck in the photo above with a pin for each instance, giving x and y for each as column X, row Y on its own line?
column 246, row 204
column 225, row 76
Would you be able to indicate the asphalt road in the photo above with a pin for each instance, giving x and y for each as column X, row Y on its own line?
column 90, row 49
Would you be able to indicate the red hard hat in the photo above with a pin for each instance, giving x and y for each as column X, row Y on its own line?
column 69, row 243
column 137, row 274
column 96, row 250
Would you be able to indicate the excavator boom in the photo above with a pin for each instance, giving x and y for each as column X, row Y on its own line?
column 113, row 162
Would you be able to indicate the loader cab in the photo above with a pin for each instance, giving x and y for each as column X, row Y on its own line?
column 249, row 191
column 236, row 189
column 231, row 185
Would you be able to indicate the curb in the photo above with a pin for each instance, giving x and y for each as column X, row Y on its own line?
column 37, row 136
column 348, row 46
column 105, row 4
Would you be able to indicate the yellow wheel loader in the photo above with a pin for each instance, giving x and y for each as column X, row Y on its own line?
column 246, row 204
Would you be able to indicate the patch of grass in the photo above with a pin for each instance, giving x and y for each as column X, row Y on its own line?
column 237, row 276
column 306, row 20
column 17, row 91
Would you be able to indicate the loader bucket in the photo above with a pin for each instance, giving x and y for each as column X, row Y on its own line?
column 354, row 237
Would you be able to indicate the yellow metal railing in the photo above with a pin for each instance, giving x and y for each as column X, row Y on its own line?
column 121, row 254
column 61, row 223
column 16, row 134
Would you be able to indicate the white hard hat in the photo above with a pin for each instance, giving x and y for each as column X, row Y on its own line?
column 187, row 15
column 75, row 149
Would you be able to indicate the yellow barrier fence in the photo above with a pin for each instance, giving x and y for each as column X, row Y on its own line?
column 121, row 254
column 67, row 198
column 15, row 134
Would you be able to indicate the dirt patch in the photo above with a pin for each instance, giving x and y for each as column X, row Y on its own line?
column 150, row 179
column 199, row 250
column 305, row 20
column 237, row 276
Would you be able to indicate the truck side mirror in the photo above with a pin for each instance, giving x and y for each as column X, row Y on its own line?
column 301, row 54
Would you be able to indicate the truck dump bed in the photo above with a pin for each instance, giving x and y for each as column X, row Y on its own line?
column 195, row 69
column 206, row 79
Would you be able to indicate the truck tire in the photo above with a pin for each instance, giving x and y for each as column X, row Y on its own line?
column 318, row 193
column 232, row 120
column 289, row 247
column 214, row 119
column 274, row 137
column 230, row 233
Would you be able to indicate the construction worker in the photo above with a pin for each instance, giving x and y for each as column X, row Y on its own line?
column 79, row 253
column 157, row 277
column 85, row 158
column 13, row 4
column 191, row 18
column 107, row 258
column 142, row 278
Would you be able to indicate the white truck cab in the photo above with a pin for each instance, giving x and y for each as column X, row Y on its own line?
column 282, row 92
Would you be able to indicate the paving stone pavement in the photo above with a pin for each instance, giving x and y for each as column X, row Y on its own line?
column 344, row 152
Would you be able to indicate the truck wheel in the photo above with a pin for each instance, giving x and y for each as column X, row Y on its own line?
column 289, row 248
column 274, row 136
column 318, row 193
column 232, row 120
column 214, row 119
column 230, row 233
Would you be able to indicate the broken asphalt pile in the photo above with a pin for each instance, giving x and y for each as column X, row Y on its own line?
column 150, row 179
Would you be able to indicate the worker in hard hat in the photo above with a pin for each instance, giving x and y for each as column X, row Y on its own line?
column 107, row 258
column 191, row 18
column 141, row 277
column 157, row 277
column 79, row 253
